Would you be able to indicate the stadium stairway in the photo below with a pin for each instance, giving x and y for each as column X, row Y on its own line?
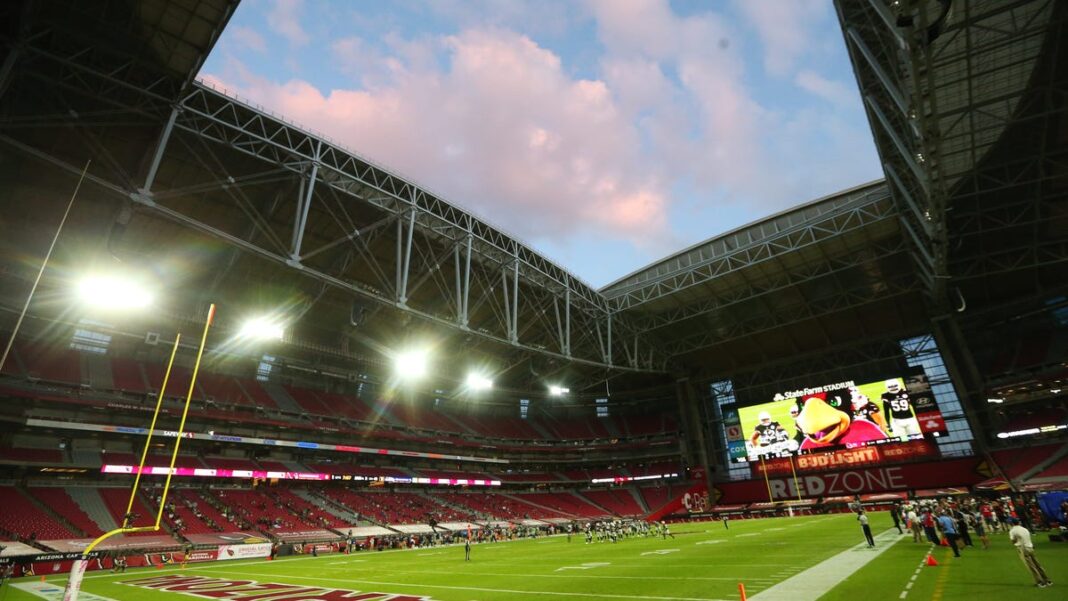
column 1045, row 463
column 90, row 501
column 589, row 501
column 552, row 511
column 150, row 504
column 638, row 499
column 282, row 398
column 460, row 508
column 50, row 512
column 98, row 371
column 323, row 504
column 463, row 428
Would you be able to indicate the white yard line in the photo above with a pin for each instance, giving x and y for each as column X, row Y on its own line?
column 915, row 575
column 814, row 582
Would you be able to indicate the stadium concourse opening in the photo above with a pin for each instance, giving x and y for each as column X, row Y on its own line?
column 862, row 396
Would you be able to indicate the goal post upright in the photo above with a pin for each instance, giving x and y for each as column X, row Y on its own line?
column 77, row 572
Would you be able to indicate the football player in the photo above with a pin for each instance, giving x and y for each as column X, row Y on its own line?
column 898, row 407
column 863, row 408
column 767, row 433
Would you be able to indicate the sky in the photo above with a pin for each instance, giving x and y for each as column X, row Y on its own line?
column 605, row 134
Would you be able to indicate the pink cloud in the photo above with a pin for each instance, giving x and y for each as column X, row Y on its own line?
column 834, row 92
column 784, row 28
column 284, row 19
column 503, row 130
column 248, row 38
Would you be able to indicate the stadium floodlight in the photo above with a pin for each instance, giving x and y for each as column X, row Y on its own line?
column 113, row 293
column 410, row 364
column 996, row 401
column 476, row 381
column 261, row 328
column 555, row 390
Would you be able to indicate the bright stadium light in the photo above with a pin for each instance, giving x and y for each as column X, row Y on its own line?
column 555, row 390
column 476, row 381
column 113, row 293
column 261, row 328
column 410, row 364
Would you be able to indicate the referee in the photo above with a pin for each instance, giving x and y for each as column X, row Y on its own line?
column 863, row 519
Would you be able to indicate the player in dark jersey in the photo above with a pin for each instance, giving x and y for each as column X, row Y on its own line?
column 767, row 433
column 863, row 408
column 897, row 407
column 799, row 434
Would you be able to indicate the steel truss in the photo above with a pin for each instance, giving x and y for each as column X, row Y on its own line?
column 850, row 211
column 940, row 83
column 802, row 310
column 538, row 306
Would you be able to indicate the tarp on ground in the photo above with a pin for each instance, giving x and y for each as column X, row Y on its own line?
column 412, row 528
column 227, row 538
column 16, row 549
column 120, row 542
column 306, row 536
column 459, row 526
column 365, row 531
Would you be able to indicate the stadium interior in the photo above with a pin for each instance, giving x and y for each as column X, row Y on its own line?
column 544, row 401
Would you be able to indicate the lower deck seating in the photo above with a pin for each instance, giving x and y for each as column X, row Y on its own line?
column 20, row 518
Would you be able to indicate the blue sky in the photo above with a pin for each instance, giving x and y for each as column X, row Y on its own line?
column 606, row 134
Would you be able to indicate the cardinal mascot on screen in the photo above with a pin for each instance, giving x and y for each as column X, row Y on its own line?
column 825, row 426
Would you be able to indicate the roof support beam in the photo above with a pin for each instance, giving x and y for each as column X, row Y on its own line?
column 902, row 148
column 892, row 89
column 161, row 146
column 404, row 261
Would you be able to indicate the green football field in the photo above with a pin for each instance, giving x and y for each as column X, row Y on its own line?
column 792, row 559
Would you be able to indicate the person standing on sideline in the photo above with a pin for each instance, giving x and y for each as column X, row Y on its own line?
column 863, row 519
column 949, row 530
column 914, row 525
column 897, row 518
column 929, row 526
column 725, row 526
column 1021, row 538
column 963, row 518
column 467, row 549
column 980, row 530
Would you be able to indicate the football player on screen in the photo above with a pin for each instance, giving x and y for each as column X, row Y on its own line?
column 897, row 406
column 863, row 408
column 767, row 435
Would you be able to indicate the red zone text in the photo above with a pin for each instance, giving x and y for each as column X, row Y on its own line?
column 250, row 590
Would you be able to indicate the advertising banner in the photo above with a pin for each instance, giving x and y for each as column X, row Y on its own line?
column 860, row 480
column 226, row 552
column 830, row 460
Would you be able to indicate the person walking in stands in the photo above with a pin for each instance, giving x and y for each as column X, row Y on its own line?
column 863, row 519
column 1021, row 538
column 949, row 530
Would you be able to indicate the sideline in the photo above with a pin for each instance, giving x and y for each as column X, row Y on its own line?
column 814, row 582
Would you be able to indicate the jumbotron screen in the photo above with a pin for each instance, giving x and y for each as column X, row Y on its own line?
column 840, row 415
